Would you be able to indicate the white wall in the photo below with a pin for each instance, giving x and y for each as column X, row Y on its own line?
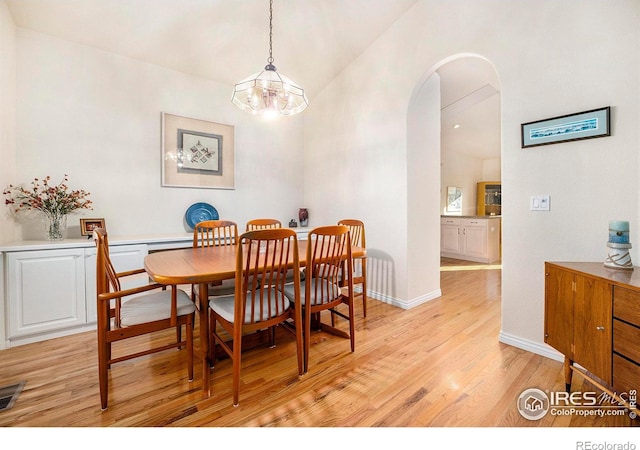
column 462, row 171
column 423, row 152
column 7, row 114
column 97, row 117
column 491, row 169
column 583, row 57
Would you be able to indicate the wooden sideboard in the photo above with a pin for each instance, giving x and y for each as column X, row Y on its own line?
column 592, row 317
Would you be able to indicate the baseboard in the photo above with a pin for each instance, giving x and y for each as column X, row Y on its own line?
column 538, row 348
column 405, row 304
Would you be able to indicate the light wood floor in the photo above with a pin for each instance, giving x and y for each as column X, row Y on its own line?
column 437, row 365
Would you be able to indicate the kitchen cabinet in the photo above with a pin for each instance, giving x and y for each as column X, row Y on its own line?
column 450, row 242
column 470, row 238
column 592, row 317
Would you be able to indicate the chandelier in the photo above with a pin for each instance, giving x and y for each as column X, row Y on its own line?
column 268, row 93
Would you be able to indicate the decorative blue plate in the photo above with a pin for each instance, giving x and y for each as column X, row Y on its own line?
column 198, row 212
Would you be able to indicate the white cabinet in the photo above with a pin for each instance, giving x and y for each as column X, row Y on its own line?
column 52, row 292
column 470, row 238
column 450, row 235
column 48, row 289
column 45, row 290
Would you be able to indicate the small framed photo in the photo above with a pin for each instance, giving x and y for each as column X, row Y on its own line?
column 88, row 225
column 572, row 127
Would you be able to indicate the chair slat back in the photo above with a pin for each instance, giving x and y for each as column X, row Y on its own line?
column 328, row 248
column 356, row 229
column 262, row 261
column 262, row 224
column 215, row 233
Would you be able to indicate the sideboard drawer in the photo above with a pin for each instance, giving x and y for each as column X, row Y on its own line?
column 626, row 340
column 626, row 305
column 625, row 374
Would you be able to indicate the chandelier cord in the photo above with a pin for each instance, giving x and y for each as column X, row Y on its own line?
column 270, row 60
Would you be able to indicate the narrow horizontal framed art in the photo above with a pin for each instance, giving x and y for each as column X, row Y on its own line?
column 572, row 127
column 197, row 153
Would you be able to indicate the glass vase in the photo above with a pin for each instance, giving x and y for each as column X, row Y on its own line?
column 303, row 215
column 56, row 226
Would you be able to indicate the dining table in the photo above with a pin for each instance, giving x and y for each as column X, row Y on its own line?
column 201, row 266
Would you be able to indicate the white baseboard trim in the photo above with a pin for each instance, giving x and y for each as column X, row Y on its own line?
column 538, row 348
column 405, row 304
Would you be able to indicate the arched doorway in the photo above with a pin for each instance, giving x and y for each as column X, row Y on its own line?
column 470, row 150
column 471, row 88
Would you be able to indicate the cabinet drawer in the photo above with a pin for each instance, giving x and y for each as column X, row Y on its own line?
column 626, row 305
column 625, row 374
column 626, row 340
column 474, row 223
column 450, row 221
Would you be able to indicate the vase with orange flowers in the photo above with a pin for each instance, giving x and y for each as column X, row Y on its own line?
column 54, row 201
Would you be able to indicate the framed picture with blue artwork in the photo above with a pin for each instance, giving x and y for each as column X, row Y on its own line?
column 197, row 153
column 572, row 127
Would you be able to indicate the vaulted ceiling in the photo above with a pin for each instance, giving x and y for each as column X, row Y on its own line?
column 227, row 40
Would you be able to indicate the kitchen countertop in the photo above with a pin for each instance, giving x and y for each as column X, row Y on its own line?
column 472, row 217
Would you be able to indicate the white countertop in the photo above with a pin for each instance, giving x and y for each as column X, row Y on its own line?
column 20, row 246
column 471, row 217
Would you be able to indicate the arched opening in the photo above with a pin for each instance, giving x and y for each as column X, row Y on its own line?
column 461, row 90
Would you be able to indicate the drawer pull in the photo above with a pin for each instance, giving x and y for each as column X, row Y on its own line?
column 600, row 328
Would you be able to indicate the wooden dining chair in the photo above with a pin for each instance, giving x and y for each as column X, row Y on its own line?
column 359, row 274
column 126, row 313
column 328, row 248
column 261, row 224
column 215, row 233
column 265, row 224
column 263, row 255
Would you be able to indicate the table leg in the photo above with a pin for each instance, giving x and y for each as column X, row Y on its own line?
column 203, row 299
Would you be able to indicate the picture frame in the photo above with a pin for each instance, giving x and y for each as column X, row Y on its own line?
column 88, row 225
column 571, row 127
column 454, row 199
column 197, row 153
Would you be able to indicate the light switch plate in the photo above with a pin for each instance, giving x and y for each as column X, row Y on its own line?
column 540, row 203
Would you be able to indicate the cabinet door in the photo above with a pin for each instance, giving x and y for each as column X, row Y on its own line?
column 475, row 239
column 593, row 334
column 123, row 257
column 558, row 311
column 46, row 290
column 450, row 238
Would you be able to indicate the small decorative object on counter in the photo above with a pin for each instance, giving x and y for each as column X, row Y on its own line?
column 55, row 202
column 293, row 223
column 303, row 215
column 618, row 246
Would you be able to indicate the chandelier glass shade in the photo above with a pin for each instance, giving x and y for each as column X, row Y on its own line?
column 268, row 93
